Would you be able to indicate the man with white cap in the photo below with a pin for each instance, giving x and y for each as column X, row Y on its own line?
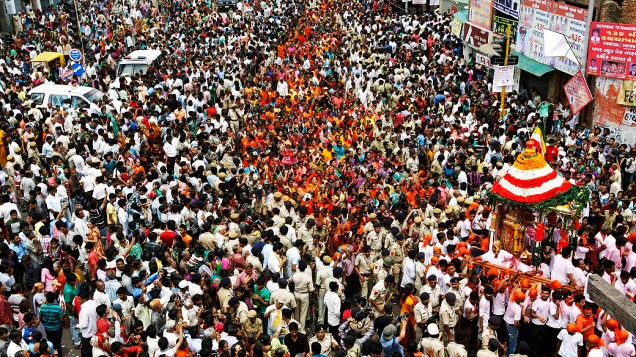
column 432, row 345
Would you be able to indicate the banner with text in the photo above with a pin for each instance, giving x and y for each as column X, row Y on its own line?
column 536, row 15
column 508, row 7
column 480, row 13
column 500, row 26
column 626, row 95
column 612, row 50
column 577, row 92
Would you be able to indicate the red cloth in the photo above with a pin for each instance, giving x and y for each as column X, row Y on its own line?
column 551, row 153
column 168, row 237
column 103, row 325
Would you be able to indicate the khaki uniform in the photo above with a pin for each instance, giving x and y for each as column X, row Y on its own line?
column 325, row 344
column 285, row 296
column 398, row 257
column 448, row 317
column 379, row 294
column 433, row 293
column 354, row 351
column 362, row 263
column 433, row 345
column 486, row 335
column 456, row 350
column 224, row 296
column 374, row 239
column 303, row 286
column 253, row 327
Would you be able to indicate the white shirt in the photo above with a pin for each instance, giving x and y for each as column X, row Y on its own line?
column 513, row 313
column 88, row 319
column 332, row 302
column 562, row 267
column 541, row 308
column 570, row 343
column 273, row 264
column 408, row 276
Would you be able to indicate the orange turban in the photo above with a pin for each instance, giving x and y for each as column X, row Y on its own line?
column 555, row 284
column 518, row 296
column 572, row 328
column 434, row 259
column 525, row 283
column 632, row 237
column 533, row 292
column 595, row 340
column 437, row 250
column 611, row 324
column 621, row 336
column 493, row 271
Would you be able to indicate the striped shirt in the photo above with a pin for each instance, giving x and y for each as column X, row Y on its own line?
column 51, row 316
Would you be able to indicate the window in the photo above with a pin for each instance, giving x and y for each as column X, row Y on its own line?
column 58, row 100
column 37, row 98
column 79, row 102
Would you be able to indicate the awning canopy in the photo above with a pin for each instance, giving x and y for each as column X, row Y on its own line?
column 529, row 65
column 48, row 56
column 461, row 15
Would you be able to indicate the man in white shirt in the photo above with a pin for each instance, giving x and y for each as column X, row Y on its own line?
column 570, row 341
column 539, row 313
column 274, row 261
column 87, row 321
column 333, row 303
column 563, row 270
column 408, row 266
column 512, row 317
column 17, row 344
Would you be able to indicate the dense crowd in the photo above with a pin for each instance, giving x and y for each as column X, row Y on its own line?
column 294, row 179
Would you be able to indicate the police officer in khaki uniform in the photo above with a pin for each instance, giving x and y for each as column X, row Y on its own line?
column 387, row 268
column 448, row 317
column 380, row 294
column 363, row 269
column 253, row 324
column 303, row 286
column 374, row 239
column 397, row 253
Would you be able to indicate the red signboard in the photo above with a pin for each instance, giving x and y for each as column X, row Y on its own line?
column 475, row 36
column 612, row 50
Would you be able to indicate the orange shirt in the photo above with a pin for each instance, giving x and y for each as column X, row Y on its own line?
column 583, row 322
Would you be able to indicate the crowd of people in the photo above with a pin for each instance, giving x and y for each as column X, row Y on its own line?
column 295, row 179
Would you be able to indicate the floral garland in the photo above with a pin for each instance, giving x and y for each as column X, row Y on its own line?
column 530, row 161
column 576, row 196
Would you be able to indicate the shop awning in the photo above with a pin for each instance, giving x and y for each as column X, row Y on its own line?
column 462, row 16
column 531, row 66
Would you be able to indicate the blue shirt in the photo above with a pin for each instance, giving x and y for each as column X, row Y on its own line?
column 18, row 249
column 390, row 346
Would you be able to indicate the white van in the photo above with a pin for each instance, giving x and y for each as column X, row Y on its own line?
column 138, row 62
column 57, row 95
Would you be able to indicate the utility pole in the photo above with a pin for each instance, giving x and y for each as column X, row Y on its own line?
column 503, row 88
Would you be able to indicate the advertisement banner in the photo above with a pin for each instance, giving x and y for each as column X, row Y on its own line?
column 504, row 75
column 480, row 13
column 629, row 119
column 513, row 86
column 612, row 50
column 508, row 7
column 577, row 92
column 626, row 95
column 433, row 2
column 500, row 26
column 483, row 60
column 456, row 27
column 536, row 15
column 475, row 36
column 607, row 113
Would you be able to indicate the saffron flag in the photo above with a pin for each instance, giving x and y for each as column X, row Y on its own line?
column 538, row 138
